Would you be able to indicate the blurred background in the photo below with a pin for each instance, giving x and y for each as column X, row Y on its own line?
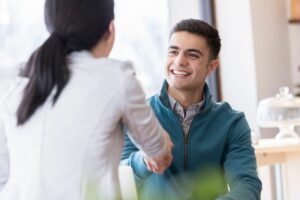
column 260, row 50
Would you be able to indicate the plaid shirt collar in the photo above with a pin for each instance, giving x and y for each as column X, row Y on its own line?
column 192, row 109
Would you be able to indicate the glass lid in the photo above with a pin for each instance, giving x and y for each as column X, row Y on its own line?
column 282, row 109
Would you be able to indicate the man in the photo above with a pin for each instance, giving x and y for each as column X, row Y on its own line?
column 212, row 156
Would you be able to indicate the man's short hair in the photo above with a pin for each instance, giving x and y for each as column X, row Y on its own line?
column 203, row 29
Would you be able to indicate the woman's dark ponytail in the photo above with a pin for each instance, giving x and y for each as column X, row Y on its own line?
column 46, row 69
column 75, row 25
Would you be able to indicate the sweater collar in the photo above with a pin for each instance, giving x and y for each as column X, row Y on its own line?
column 163, row 95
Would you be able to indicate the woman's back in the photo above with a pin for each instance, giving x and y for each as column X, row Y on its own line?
column 61, row 128
column 78, row 141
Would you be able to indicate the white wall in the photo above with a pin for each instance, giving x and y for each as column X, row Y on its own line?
column 294, row 36
column 294, row 41
column 238, row 72
column 179, row 10
column 255, row 57
column 271, row 46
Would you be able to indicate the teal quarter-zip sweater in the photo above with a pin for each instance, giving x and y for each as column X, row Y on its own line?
column 214, row 161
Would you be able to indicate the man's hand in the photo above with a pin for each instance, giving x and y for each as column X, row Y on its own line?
column 160, row 164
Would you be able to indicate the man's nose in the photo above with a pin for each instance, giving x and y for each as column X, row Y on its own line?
column 181, row 60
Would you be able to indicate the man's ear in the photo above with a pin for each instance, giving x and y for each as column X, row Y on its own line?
column 213, row 65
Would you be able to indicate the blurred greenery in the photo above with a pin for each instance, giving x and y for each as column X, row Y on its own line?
column 208, row 185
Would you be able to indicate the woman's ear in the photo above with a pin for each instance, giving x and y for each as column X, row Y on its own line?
column 111, row 26
column 111, row 32
column 105, row 44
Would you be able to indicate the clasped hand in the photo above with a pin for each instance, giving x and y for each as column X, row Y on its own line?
column 161, row 163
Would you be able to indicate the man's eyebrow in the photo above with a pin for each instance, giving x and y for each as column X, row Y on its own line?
column 173, row 47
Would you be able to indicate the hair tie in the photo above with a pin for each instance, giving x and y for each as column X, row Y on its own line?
column 57, row 36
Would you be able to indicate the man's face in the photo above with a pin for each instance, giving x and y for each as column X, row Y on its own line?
column 188, row 62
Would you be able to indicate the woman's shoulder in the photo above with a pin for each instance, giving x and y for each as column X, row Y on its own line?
column 123, row 68
column 123, row 65
column 85, row 59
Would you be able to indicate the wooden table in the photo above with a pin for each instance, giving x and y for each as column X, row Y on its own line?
column 271, row 151
column 287, row 154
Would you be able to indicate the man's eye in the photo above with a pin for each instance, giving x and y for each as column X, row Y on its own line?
column 193, row 55
column 172, row 52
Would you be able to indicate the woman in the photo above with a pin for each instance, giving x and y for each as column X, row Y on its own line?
column 61, row 123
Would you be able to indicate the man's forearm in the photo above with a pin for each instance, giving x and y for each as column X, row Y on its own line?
column 135, row 160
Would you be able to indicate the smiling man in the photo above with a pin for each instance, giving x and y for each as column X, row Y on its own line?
column 213, row 155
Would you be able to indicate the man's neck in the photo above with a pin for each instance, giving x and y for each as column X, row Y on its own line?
column 186, row 98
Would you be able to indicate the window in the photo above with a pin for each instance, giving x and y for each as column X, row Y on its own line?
column 22, row 30
column 142, row 36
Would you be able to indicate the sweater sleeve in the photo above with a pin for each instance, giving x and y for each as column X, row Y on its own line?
column 131, row 156
column 143, row 127
column 240, row 164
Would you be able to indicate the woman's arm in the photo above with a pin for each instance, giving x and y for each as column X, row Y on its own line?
column 143, row 127
column 4, row 158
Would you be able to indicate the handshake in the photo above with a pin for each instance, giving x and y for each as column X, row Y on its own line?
column 161, row 163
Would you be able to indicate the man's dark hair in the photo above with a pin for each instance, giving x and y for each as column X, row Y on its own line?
column 203, row 29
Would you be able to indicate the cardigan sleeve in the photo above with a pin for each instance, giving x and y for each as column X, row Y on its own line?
column 240, row 164
column 4, row 153
column 4, row 158
column 143, row 127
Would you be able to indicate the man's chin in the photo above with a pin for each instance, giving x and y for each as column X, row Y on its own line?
column 179, row 86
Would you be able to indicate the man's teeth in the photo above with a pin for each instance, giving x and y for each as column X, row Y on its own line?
column 180, row 73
